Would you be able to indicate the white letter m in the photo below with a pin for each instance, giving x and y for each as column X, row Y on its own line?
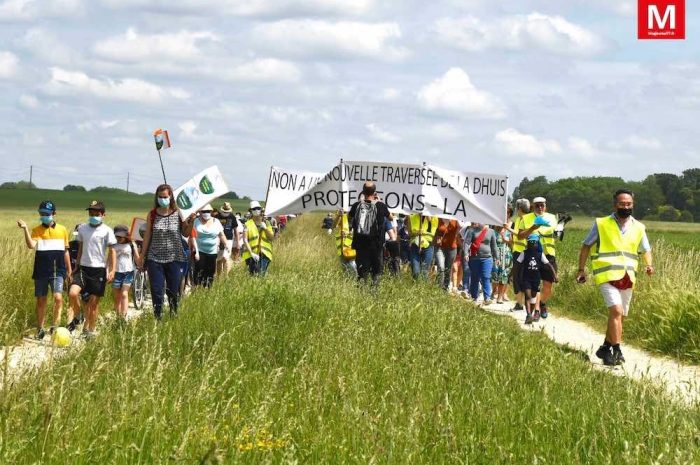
column 669, row 15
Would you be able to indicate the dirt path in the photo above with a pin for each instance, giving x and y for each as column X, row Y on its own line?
column 680, row 380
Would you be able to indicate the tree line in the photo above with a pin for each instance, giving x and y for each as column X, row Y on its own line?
column 660, row 196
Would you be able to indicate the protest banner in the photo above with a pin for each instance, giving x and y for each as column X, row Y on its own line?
column 137, row 230
column 425, row 189
column 200, row 190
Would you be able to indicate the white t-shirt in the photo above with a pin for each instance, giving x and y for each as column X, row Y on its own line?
column 96, row 240
column 125, row 259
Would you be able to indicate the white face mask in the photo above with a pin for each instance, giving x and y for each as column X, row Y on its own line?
column 206, row 216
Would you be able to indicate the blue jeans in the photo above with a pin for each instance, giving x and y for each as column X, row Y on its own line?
column 480, row 272
column 165, row 279
column 466, row 274
column 259, row 267
column 421, row 260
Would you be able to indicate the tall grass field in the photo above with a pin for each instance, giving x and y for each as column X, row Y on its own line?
column 305, row 366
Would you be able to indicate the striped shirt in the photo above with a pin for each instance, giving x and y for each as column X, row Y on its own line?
column 51, row 245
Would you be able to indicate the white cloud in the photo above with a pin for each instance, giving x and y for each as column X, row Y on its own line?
column 133, row 47
column 47, row 47
column 455, row 95
column 251, row 7
column 382, row 135
column 534, row 31
column 514, row 142
column 29, row 101
column 64, row 82
column 582, row 147
column 635, row 142
column 263, row 70
column 317, row 38
column 188, row 128
column 9, row 65
column 444, row 131
column 27, row 10
column 389, row 94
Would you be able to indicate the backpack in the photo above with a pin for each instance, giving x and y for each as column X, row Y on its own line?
column 365, row 220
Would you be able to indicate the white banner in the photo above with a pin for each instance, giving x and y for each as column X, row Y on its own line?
column 200, row 190
column 426, row 189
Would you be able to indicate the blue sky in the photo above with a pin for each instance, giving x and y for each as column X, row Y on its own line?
column 516, row 87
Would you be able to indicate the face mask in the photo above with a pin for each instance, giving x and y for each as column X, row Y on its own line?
column 624, row 212
column 257, row 212
column 46, row 220
column 206, row 216
column 164, row 202
column 95, row 220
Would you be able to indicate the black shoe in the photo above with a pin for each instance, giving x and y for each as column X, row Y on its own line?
column 606, row 355
column 518, row 307
column 618, row 358
column 543, row 308
column 52, row 330
column 40, row 334
column 75, row 322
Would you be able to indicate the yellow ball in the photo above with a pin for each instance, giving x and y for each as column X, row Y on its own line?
column 61, row 337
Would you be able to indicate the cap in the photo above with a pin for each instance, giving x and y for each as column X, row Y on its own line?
column 96, row 205
column 255, row 204
column 539, row 200
column 206, row 208
column 533, row 238
column 121, row 230
column 47, row 206
column 226, row 208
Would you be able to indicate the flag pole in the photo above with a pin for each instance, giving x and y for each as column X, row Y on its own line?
column 161, row 166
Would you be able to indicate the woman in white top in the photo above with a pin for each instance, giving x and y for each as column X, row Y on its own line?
column 210, row 234
column 127, row 255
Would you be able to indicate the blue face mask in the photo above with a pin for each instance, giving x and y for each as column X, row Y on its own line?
column 164, row 202
column 46, row 219
column 95, row 220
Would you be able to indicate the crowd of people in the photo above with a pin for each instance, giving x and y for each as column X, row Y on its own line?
column 95, row 255
column 477, row 261
column 480, row 260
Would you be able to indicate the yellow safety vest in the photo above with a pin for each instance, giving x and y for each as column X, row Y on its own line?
column 343, row 239
column 546, row 233
column 423, row 227
column 615, row 253
column 258, row 244
column 518, row 244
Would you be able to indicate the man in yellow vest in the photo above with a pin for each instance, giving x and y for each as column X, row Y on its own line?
column 614, row 243
column 257, row 241
column 421, row 230
column 522, row 208
column 543, row 224
column 343, row 243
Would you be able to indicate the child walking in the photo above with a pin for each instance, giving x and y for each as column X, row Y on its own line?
column 127, row 254
column 533, row 260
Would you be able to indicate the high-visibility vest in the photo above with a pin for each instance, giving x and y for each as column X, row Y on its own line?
column 615, row 253
column 343, row 239
column 423, row 227
column 546, row 233
column 518, row 244
column 258, row 244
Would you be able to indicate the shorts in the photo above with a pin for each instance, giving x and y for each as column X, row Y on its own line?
column 41, row 285
column 223, row 254
column 90, row 280
column 545, row 272
column 125, row 278
column 614, row 296
column 531, row 284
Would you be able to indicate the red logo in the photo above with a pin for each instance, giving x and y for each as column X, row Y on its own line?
column 661, row 19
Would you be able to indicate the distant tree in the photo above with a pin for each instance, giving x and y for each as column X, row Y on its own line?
column 245, row 197
column 686, row 217
column 108, row 190
column 230, row 195
column 18, row 185
column 73, row 188
column 668, row 213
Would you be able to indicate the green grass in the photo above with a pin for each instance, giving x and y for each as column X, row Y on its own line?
column 305, row 367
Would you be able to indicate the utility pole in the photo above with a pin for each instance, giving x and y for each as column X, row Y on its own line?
column 31, row 172
column 127, row 182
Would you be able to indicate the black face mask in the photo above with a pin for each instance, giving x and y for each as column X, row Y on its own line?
column 624, row 212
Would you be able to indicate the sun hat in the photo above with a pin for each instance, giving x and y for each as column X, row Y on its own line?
column 207, row 207
column 121, row 230
column 225, row 208
column 539, row 200
column 255, row 204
